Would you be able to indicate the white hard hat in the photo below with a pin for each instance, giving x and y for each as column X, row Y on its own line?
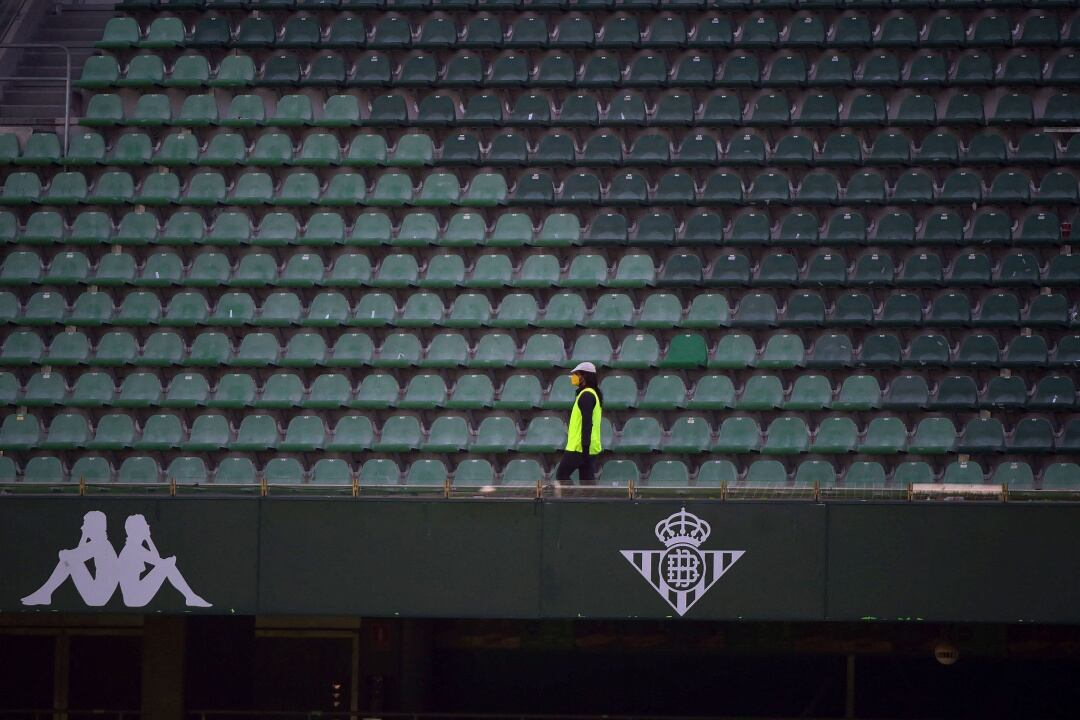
column 585, row 367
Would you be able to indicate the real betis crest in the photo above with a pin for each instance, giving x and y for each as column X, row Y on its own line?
column 682, row 572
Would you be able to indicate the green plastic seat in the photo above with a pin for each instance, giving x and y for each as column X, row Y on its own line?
column 379, row 473
column 392, row 188
column 1060, row 476
column 257, row 350
column 400, row 433
column 139, row 470
column 471, row 392
column 399, row 350
column 115, row 431
column 339, row 111
column 111, row 188
column 639, row 435
column 494, row 350
column 284, row 472
column 377, row 390
column 688, row 435
column 256, row 432
column 396, row 271
column 786, row 435
column 91, row 470
column 738, row 435
column 99, row 72
column 304, row 433
column 521, row 472
column 92, row 389
column 933, row 435
column 44, row 389
column 835, row 435
column 189, row 71
column 519, row 392
column 544, row 434
column 370, row 229
column 235, row 472
column 103, row 110
column 660, row 310
column 162, row 431
column 281, row 390
column 712, row 392
column 144, row 70
column 140, row 389
column 375, row 309
column 187, row 390
column 328, row 391
column 446, row 350
column 621, row 392
column 120, row 33
column 446, row 435
column 41, row 470
column 417, row 150
column 41, row 149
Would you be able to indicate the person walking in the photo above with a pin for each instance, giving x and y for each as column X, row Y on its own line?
column 583, row 432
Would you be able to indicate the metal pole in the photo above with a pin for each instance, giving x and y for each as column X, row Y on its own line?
column 67, row 100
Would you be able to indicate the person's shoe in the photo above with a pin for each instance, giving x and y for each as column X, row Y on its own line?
column 37, row 598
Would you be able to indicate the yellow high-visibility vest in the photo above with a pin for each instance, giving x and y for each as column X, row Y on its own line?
column 573, row 435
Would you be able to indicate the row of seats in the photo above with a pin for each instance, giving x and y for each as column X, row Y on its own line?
column 751, row 227
column 562, row 5
column 564, row 310
column 723, row 187
column 240, row 473
column 944, row 28
column 473, row 391
column 919, row 267
column 725, row 108
column 543, row 350
column 687, row 434
column 274, row 148
column 601, row 69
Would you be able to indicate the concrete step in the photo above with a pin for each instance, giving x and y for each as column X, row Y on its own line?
column 39, row 100
column 77, row 34
column 37, row 113
column 48, row 55
column 52, row 74
column 70, row 13
column 34, row 97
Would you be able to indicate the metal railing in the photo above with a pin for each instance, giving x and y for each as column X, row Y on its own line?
column 47, row 80
column 544, row 489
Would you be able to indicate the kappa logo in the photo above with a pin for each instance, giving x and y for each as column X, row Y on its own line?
column 682, row 573
column 96, row 570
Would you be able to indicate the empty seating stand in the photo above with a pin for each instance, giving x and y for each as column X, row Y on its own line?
column 355, row 247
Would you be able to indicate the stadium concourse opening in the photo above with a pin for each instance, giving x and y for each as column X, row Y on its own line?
column 287, row 668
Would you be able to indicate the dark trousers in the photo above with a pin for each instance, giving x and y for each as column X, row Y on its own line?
column 571, row 461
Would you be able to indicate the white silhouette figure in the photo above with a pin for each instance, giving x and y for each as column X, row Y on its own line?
column 138, row 552
column 111, row 570
column 95, row 589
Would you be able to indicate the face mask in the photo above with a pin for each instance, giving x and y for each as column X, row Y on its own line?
column 575, row 379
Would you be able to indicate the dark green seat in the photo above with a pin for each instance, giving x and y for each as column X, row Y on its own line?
column 738, row 435
column 331, row 472
column 933, row 435
column 884, row 436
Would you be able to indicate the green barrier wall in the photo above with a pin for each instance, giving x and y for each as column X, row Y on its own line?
column 563, row 559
